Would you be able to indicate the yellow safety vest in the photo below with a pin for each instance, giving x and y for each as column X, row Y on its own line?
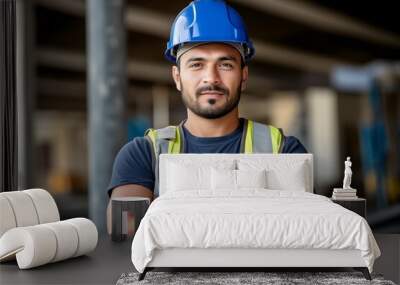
column 256, row 138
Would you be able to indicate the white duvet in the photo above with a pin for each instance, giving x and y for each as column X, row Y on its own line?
column 250, row 219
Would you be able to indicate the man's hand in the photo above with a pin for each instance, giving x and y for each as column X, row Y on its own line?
column 129, row 190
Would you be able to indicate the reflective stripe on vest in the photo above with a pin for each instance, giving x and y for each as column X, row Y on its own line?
column 256, row 138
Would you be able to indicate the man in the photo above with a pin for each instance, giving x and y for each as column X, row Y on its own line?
column 210, row 53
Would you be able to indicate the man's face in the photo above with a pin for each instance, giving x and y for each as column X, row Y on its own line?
column 210, row 78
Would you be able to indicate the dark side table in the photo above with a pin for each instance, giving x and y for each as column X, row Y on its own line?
column 357, row 205
column 120, row 208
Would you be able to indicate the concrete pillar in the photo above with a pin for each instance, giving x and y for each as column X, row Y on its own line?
column 107, row 85
column 323, row 135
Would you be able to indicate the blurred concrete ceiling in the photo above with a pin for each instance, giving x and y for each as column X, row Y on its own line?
column 297, row 42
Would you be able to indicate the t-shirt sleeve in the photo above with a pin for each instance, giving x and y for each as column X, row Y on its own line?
column 293, row 145
column 133, row 165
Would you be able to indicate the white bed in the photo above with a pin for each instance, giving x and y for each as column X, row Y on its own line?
column 267, row 218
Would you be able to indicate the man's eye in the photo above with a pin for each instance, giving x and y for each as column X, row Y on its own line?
column 195, row 65
column 227, row 65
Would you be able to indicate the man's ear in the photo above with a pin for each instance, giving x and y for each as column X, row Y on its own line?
column 245, row 76
column 177, row 77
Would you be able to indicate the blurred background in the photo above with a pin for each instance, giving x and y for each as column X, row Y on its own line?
column 92, row 76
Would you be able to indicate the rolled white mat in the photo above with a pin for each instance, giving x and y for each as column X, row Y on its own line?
column 87, row 234
column 33, row 246
column 7, row 218
column 66, row 238
column 40, row 244
column 23, row 208
column 45, row 205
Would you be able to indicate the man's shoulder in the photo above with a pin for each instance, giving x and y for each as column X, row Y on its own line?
column 133, row 165
column 138, row 151
column 293, row 145
column 137, row 144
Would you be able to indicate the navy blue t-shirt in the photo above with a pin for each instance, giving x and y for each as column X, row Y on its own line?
column 133, row 163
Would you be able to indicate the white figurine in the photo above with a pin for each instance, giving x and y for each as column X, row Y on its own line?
column 347, row 174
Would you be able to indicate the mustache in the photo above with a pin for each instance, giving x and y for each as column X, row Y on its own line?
column 212, row 87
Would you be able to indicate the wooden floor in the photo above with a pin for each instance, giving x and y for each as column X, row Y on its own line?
column 389, row 262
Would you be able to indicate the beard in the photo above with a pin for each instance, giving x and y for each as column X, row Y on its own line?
column 210, row 111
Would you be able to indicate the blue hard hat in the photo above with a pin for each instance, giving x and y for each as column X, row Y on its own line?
column 208, row 21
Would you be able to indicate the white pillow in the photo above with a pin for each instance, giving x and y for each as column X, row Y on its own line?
column 223, row 179
column 186, row 175
column 281, row 174
column 293, row 178
column 226, row 179
column 251, row 178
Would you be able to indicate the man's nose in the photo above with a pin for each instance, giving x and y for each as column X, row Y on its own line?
column 211, row 75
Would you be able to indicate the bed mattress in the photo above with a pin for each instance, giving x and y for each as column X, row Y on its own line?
column 250, row 219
